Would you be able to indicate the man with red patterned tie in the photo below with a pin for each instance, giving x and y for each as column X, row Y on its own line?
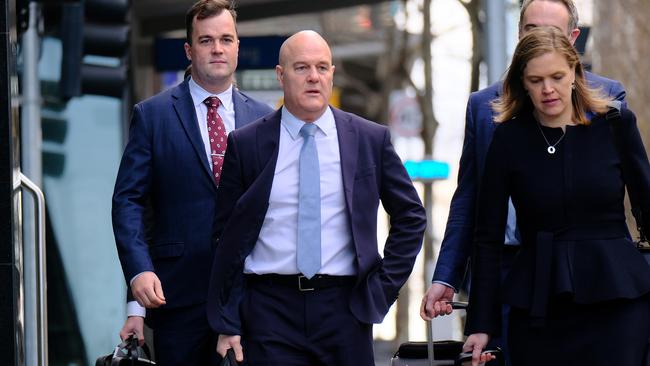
column 165, row 192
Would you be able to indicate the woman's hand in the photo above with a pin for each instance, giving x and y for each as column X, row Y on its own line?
column 475, row 344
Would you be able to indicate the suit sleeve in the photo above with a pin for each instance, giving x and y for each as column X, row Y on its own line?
column 407, row 222
column 484, row 313
column 457, row 242
column 637, row 175
column 231, row 187
column 130, row 198
column 226, row 284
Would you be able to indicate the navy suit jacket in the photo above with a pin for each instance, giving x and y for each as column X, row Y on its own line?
column 371, row 171
column 164, row 198
column 479, row 128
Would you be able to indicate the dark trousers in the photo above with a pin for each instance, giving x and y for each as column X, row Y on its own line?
column 183, row 337
column 285, row 326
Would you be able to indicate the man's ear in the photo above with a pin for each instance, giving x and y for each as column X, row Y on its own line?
column 574, row 35
column 187, row 48
column 279, row 74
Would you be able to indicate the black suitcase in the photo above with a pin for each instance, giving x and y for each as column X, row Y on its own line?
column 439, row 353
column 417, row 354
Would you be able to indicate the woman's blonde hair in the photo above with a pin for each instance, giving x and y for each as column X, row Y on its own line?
column 537, row 42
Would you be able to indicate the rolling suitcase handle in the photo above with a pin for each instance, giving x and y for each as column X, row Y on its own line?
column 456, row 305
column 446, row 352
column 420, row 353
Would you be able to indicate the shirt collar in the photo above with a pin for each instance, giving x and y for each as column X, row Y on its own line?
column 199, row 95
column 292, row 124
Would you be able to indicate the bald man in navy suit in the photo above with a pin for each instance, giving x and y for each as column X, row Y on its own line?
column 262, row 301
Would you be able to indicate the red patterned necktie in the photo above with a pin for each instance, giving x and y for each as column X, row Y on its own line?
column 217, row 135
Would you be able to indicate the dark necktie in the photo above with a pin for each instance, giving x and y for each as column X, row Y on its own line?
column 217, row 135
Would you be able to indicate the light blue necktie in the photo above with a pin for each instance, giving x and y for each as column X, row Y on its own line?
column 308, row 246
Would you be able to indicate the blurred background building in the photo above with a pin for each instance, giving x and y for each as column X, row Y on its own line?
column 71, row 71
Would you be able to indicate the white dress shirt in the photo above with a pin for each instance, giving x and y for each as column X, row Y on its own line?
column 226, row 111
column 275, row 250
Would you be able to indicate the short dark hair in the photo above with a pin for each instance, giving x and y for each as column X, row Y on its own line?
column 203, row 9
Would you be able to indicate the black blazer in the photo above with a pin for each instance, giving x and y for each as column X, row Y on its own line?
column 570, row 214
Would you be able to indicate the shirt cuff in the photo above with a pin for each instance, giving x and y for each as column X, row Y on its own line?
column 446, row 284
column 134, row 277
column 134, row 309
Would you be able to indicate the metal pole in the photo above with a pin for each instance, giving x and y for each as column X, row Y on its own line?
column 495, row 34
column 41, row 270
column 430, row 344
column 31, row 138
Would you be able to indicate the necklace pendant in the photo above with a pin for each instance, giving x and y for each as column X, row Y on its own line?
column 551, row 150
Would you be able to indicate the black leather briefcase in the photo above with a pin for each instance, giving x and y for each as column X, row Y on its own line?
column 127, row 353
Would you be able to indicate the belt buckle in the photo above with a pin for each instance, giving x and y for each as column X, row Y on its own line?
column 300, row 286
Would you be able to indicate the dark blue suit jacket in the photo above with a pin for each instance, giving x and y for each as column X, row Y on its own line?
column 371, row 172
column 479, row 128
column 164, row 198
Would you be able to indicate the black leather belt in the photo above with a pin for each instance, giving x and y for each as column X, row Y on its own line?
column 300, row 282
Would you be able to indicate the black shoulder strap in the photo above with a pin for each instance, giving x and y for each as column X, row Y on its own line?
column 613, row 116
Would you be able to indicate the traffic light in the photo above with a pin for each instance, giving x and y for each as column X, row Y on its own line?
column 95, row 28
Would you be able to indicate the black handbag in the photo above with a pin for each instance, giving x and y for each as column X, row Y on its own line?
column 127, row 353
column 613, row 116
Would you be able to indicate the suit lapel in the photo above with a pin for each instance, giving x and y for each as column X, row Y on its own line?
column 268, row 140
column 348, row 148
column 184, row 106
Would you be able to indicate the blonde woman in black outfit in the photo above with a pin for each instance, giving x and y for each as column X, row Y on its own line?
column 579, row 289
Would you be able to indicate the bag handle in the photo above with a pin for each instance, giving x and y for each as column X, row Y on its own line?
column 129, row 350
column 613, row 116
column 229, row 359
